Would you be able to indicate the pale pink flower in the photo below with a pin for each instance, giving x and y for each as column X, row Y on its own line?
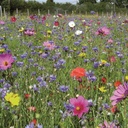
column 110, row 41
column 80, row 106
column 112, row 59
column 6, row 61
column 108, row 125
column 49, row 45
column 2, row 22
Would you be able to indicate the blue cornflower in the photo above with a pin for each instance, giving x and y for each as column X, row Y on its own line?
column 63, row 88
column 52, row 78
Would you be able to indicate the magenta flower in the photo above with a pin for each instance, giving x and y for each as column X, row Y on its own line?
column 6, row 61
column 108, row 125
column 49, row 45
column 119, row 94
column 80, row 106
column 103, row 31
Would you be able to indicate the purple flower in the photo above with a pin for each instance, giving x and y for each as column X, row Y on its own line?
column 63, row 88
column 49, row 103
column 119, row 94
column 65, row 48
column 19, row 64
column 90, row 76
column 106, row 106
column 95, row 49
column 96, row 64
column 76, row 43
column 35, row 88
column 69, row 107
column 14, row 74
column 44, row 55
column 52, row 78
column 90, row 103
column 31, row 125
column 39, row 79
column 24, row 55
column 92, row 12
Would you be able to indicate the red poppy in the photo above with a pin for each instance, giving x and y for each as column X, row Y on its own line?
column 78, row 72
column 113, row 109
column 56, row 23
column 117, row 83
column 43, row 18
column 13, row 19
column 34, row 121
column 32, row 17
column 27, row 96
column 104, row 80
column 98, row 22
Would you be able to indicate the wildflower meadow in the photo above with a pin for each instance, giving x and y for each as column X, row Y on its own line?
column 64, row 71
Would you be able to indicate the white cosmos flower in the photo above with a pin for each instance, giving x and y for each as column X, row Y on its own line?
column 83, row 20
column 71, row 24
column 78, row 32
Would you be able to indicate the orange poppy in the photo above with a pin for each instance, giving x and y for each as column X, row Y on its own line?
column 117, row 83
column 78, row 72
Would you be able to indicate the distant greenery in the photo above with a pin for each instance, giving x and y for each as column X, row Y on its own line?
column 82, row 6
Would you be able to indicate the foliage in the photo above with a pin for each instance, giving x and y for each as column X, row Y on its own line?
column 82, row 6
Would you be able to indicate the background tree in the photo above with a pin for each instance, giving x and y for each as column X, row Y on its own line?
column 85, row 1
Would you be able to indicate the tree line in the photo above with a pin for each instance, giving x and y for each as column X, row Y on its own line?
column 81, row 7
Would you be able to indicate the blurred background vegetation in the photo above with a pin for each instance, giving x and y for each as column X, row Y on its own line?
column 82, row 6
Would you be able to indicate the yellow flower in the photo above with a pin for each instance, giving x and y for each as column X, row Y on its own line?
column 13, row 98
column 49, row 32
column 47, row 24
column 74, row 49
column 40, row 52
column 102, row 89
column 21, row 30
column 82, row 54
column 2, row 50
column 102, row 62
column 126, row 78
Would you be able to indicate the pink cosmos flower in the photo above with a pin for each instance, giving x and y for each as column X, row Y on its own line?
column 6, row 61
column 103, row 31
column 29, row 32
column 2, row 22
column 112, row 59
column 49, row 45
column 119, row 94
column 110, row 41
column 80, row 106
column 108, row 125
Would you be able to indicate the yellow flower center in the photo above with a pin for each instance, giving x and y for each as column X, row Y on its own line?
column 78, row 108
column 5, row 63
column 123, row 95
